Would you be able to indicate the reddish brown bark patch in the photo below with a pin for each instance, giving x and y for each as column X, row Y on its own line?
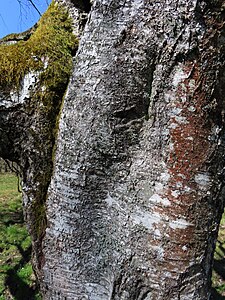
column 189, row 150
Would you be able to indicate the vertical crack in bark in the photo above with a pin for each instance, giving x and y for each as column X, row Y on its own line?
column 149, row 85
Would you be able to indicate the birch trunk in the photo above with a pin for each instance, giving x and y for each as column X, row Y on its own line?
column 137, row 189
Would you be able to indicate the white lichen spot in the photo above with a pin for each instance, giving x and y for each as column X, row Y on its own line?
column 173, row 125
column 203, row 181
column 171, row 146
column 159, row 187
column 176, row 111
column 156, row 198
column 181, row 120
column 183, row 99
column 216, row 129
column 165, row 132
column 159, row 251
column 168, row 97
column 175, row 193
column 112, row 202
column 191, row 108
column 163, row 164
column 187, row 189
column 189, row 138
column 145, row 219
column 181, row 175
column 157, row 233
column 192, row 85
column 179, row 184
column 179, row 224
column 109, row 200
column 21, row 96
column 136, row 6
column 179, row 76
column 184, row 248
column 165, row 177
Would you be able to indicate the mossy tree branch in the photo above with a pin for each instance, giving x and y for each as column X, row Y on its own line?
column 40, row 62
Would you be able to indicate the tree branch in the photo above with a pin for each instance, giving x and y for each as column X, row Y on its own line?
column 35, row 7
column 33, row 4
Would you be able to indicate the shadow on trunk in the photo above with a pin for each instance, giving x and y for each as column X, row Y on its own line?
column 216, row 296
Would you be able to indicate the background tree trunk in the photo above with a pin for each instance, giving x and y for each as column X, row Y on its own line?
column 137, row 189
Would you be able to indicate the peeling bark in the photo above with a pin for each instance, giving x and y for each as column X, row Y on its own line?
column 137, row 189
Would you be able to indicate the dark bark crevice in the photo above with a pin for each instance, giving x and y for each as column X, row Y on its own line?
column 84, row 5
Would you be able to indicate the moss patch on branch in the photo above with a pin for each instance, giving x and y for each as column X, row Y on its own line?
column 48, row 51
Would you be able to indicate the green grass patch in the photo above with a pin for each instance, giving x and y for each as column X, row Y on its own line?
column 218, row 275
column 17, row 280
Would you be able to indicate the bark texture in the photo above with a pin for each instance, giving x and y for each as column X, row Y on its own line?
column 137, row 189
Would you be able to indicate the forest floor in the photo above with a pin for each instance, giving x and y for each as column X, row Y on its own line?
column 17, row 280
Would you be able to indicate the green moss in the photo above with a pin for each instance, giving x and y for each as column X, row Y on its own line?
column 48, row 51
column 25, row 273
column 39, row 219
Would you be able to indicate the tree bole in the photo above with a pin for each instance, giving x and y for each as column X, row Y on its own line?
column 136, row 194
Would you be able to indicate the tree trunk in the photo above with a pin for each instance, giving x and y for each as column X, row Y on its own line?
column 137, row 189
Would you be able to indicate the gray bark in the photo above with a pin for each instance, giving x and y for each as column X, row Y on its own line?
column 137, row 189
column 136, row 195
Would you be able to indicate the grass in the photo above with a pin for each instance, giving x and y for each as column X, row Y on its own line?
column 17, row 280
column 218, row 275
